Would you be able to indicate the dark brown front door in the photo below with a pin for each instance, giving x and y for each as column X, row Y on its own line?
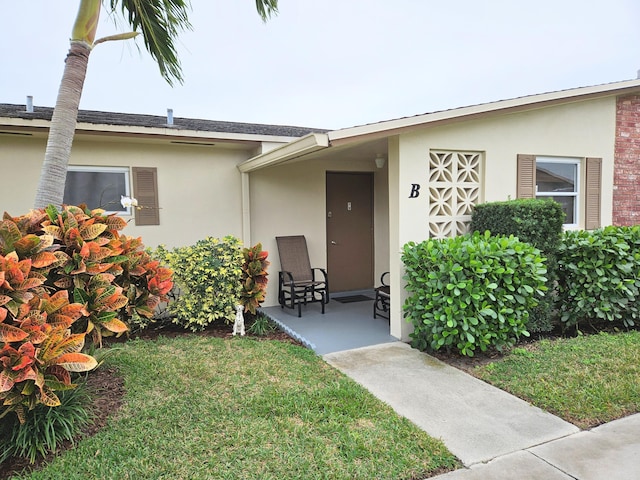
column 349, row 231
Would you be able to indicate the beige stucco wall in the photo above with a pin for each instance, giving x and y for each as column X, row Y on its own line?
column 199, row 187
column 584, row 129
column 291, row 200
column 20, row 159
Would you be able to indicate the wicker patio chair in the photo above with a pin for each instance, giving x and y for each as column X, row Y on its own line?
column 298, row 283
column 382, row 303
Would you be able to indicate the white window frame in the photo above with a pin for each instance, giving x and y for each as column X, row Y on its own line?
column 127, row 183
column 576, row 194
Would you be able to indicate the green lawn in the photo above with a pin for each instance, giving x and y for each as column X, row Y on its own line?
column 586, row 380
column 207, row 408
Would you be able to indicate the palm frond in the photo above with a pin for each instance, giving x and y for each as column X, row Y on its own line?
column 266, row 8
column 160, row 22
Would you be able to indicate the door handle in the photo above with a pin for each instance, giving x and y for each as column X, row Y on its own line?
column 333, row 242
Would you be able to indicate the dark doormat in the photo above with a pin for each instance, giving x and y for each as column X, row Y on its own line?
column 352, row 298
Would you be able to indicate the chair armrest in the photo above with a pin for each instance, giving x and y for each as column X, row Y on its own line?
column 285, row 277
column 321, row 270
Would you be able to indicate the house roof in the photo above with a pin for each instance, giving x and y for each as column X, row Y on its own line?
column 389, row 127
column 92, row 117
column 296, row 149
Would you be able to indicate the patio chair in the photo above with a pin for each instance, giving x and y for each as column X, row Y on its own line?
column 298, row 283
column 382, row 302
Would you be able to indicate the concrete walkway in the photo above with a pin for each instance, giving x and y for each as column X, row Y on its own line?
column 496, row 435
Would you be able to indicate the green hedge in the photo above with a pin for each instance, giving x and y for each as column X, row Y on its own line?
column 599, row 276
column 472, row 291
column 535, row 221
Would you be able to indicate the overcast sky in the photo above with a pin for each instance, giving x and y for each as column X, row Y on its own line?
column 331, row 63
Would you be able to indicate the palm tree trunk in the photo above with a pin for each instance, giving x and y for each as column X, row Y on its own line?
column 63, row 126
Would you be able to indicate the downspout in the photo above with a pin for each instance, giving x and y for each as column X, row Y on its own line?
column 246, row 210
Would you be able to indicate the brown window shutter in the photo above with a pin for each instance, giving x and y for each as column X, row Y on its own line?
column 526, row 182
column 592, row 194
column 145, row 190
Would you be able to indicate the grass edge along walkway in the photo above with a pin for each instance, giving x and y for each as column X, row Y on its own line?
column 586, row 380
column 208, row 408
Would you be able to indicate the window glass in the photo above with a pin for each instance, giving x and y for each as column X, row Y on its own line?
column 569, row 207
column 97, row 187
column 558, row 179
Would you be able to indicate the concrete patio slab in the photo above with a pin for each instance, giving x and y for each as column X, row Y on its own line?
column 344, row 326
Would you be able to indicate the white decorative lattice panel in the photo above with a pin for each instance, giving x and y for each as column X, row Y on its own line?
column 454, row 189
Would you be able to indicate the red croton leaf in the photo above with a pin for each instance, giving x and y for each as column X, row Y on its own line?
column 60, row 373
column 37, row 334
column 114, row 222
column 26, row 356
column 64, row 282
column 9, row 333
column 6, row 381
column 72, row 236
column 43, row 259
column 29, row 283
column 116, row 326
column 96, row 268
column 73, row 310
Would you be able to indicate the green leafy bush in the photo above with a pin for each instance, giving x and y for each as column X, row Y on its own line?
column 472, row 291
column 208, row 276
column 599, row 276
column 535, row 221
column 45, row 428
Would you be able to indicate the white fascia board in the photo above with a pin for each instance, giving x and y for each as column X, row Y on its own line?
column 303, row 146
column 23, row 122
column 178, row 132
column 160, row 132
column 531, row 101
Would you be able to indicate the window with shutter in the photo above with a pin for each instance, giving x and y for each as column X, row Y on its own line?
column 559, row 178
column 145, row 190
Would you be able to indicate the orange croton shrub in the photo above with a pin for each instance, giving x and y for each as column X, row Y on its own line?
column 63, row 275
column 39, row 349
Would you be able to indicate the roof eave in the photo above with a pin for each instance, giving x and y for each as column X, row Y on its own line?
column 392, row 127
column 146, row 132
column 298, row 148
